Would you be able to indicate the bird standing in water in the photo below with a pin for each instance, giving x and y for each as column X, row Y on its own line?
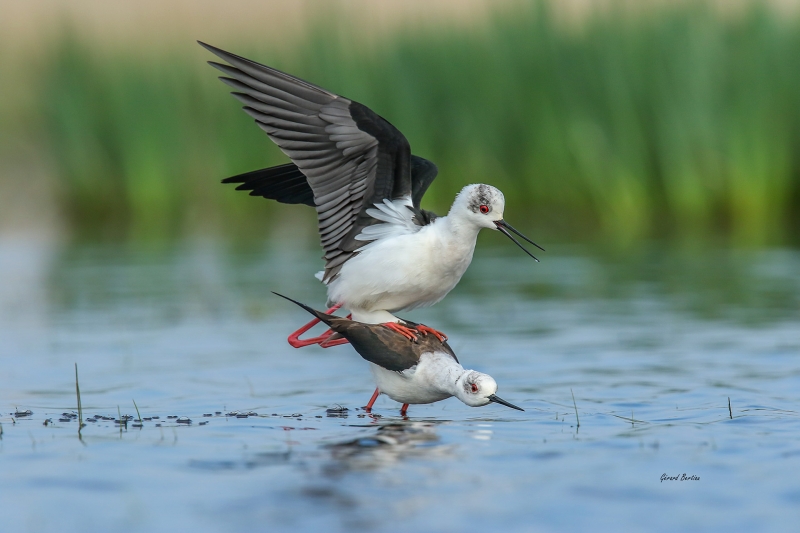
column 412, row 372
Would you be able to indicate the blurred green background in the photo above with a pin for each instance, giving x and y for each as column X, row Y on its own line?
column 678, row 121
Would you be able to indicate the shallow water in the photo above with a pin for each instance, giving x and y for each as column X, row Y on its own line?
column 652, row 343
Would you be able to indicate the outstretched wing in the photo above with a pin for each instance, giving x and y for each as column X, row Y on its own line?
column 351, row 157
column 288, row 185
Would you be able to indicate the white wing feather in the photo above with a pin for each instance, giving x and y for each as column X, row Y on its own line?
column 397, row 220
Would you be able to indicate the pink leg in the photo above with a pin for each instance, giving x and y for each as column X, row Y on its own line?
column 333, row 342
column 408, row 333
column 422, row 328
column 295, row 340
column 375, row 395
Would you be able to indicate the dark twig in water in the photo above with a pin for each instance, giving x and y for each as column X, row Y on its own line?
column 730, row 412
column 80, row 407
column 576, row 408
column 137, row 409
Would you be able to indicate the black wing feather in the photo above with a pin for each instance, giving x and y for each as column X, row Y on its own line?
column 284, row 183
column 287, row 184
column 423, row 172
column 351, row 157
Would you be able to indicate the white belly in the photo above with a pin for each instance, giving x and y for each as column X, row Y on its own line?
column 428, row 382
column 400, row 273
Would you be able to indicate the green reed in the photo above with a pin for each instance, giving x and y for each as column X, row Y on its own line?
column 677, row 122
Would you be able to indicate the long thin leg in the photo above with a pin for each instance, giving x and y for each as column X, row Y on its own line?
column 375, row 394
column 404, row 409
column 295, row 340
column 329, row 341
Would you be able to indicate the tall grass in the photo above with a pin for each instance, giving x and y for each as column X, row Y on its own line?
column 677, row 122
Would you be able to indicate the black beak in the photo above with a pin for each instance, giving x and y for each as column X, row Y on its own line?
column 496, row 399
column 504, row 226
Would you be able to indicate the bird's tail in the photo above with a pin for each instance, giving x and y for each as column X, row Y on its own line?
column 324, row 317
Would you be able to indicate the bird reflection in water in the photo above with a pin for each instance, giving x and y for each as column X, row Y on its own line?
column 386, row 445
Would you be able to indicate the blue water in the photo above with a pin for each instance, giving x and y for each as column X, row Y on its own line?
column 652, row 343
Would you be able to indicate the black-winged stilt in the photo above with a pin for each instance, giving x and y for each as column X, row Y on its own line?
column 383, row 252
column 423, row 370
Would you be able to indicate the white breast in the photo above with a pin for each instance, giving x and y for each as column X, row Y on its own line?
column 403, row 271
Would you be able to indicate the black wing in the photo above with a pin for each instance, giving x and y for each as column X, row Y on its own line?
column 284, row 183
column 288, row 185
column 351, row 157
column 423, row 172
column 387, row 348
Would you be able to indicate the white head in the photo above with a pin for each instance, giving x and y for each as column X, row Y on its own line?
column 476, row 389
column 479, row 204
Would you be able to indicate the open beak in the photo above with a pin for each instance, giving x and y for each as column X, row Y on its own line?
column 504, row 227
column 496, row 399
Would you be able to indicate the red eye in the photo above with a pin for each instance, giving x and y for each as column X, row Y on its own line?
column 474, row 386
column 484, row 209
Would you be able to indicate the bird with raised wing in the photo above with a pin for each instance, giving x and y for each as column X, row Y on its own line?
column 412, row 371
column 383, row 252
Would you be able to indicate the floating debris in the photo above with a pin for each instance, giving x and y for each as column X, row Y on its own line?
column 183, row 420
column 337, row 412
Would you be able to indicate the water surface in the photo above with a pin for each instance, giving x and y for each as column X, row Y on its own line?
column 652, row 343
